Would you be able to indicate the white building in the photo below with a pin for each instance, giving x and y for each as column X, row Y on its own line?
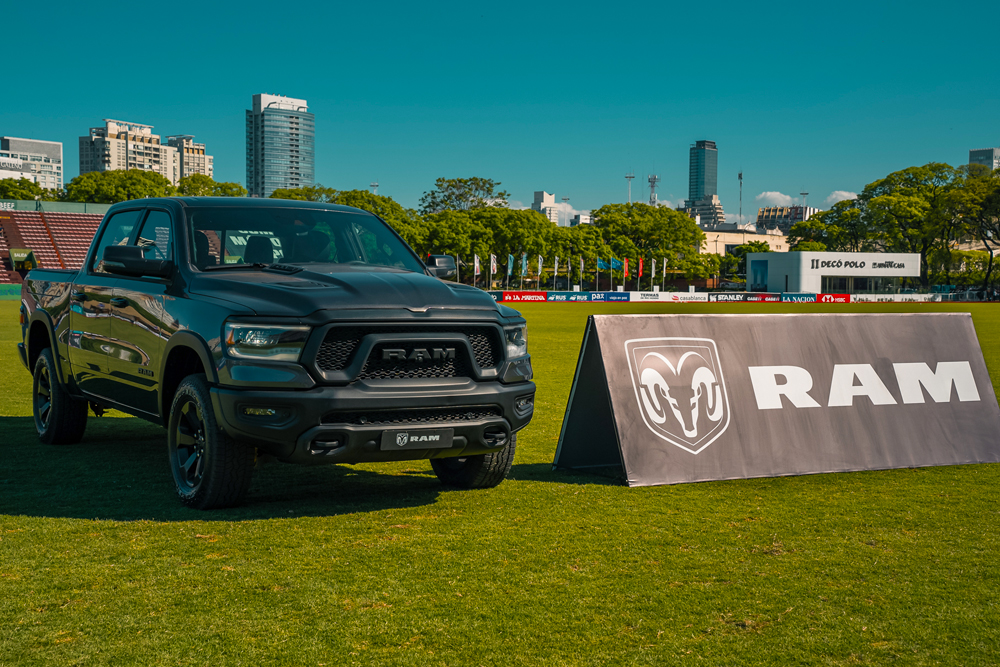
column 830, row 272
column 38, row 161
column 124, row 145
column 545, row 204
column 783, row 217
column 191, row 156
column 581, row 219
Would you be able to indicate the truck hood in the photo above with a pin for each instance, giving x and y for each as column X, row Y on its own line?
column 270, row 293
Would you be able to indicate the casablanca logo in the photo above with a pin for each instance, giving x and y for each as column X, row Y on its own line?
column 679, row 389
column 402, row 439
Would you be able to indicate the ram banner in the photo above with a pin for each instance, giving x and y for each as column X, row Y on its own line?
column 688, row 398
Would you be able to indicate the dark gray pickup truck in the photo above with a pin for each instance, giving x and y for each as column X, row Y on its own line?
column 307, row 332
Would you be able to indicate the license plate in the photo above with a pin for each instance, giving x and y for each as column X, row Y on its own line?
column 439, row 438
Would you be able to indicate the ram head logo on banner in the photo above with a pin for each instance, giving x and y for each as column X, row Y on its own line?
column 679, row 389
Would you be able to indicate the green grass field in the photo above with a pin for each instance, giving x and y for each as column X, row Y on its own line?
column 381, row 565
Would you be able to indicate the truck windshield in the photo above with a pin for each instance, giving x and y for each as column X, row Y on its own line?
column 327, row 241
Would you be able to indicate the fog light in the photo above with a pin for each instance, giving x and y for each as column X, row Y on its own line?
column 326, row 443
column 259, row 412
column 524, row 404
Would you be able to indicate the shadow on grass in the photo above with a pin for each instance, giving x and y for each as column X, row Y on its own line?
column 543, row 472
column 119, row 472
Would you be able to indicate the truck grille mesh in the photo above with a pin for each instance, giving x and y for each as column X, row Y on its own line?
column 414, row 416
column 340, row 343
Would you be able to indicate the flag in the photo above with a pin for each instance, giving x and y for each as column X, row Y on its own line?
column 556, row 270
column 493, row 263
column 616, row 264
column 626, row 267
column 602, row 265
column 510, row 264
column 664, row 268
column 540, row 262
column 653, row 272
column 524, row 263
column 640, row 267
column 476, row 264
column 581, row 267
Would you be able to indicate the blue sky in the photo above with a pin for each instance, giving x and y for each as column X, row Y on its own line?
column 565, row 97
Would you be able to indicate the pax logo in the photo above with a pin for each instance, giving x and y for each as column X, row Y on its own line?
column 679, row 389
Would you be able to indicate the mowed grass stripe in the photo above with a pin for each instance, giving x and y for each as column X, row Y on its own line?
column 381, row 565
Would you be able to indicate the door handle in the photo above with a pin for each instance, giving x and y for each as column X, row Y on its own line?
column 78, row 296
column 119, row 302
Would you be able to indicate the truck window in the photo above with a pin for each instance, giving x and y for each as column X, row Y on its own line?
column 154, row 237
column 116, row 232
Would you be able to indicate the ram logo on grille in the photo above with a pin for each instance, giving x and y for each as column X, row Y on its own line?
column 418, row 354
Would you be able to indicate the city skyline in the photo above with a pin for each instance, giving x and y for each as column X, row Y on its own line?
column 472, row 93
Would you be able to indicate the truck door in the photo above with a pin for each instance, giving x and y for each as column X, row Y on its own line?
column 91, row 313
column 140, row 324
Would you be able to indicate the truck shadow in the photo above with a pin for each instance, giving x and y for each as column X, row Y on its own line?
column 119, row 472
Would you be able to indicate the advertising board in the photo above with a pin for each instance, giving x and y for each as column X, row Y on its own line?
column 763, row 297
column 523, row 296
column 684, row 297
column 833, row 298
column 728, row 296
column 797, row 297
column 568, row 296
column 645, row 296
column 609, row 296
column 686, row 398
column 497, row 295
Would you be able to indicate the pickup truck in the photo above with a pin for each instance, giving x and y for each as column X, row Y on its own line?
column 261, row 328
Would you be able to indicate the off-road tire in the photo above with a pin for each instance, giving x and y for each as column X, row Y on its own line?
column 60, row 419
column 210, row 469
column 483, row 471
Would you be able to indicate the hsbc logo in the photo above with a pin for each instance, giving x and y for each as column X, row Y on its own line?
column 679, row 389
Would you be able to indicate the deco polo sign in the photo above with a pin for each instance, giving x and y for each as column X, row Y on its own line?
column 686, row 398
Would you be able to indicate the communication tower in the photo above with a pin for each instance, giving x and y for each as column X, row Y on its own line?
column 374, row 187
column 654, row 180
column 628, row 177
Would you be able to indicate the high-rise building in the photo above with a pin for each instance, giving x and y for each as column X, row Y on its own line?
column 545, row 204
column 124, row 145
column 281, row 150
column 988, row 157
column 191, row 156
column 38, row 161
column 703, row 177
column 783, row 217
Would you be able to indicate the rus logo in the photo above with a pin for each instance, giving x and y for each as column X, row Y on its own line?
column 679, row 389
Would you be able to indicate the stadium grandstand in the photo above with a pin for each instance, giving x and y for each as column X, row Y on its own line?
column 59, row 238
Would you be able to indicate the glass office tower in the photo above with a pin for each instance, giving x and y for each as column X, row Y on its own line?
column 703, row 178
column 281, row 149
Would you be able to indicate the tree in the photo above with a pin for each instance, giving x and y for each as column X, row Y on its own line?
column 463, row 194
column 19, row 188
column 809, row 246
column 977, row 204
column 200, row 185
column 111, row 187
column 306, row 193
column 740, row 253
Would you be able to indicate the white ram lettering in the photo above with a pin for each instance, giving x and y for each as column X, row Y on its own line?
column 938, row 383
column 843, row 390
column 768, row 392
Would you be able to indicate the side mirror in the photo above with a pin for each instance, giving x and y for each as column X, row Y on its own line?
column 126, row 260
column 441, row 266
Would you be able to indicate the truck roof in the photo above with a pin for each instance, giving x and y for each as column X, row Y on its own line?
column 255, row 202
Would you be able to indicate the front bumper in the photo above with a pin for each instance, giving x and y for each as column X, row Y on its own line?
column 321, row 425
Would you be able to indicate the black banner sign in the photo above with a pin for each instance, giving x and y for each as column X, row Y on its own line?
column 686, row 398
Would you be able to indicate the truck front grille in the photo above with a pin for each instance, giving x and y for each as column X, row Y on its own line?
column 377, row 368
column 340, row 343
column 414, row 416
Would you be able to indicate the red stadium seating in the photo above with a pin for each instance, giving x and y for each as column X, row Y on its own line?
column 73, row 233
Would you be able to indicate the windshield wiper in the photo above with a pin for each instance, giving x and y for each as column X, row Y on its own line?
column 258, row 266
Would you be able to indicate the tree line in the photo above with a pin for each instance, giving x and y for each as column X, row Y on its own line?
column 950, row 216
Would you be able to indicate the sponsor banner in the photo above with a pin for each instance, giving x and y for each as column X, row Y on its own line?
column 497, row 295
column 645, row 296
column 727, row 296
column 523, row 296
column 833, row 298
column 684, row 398
column 569, row 296
column 797, row 297
column 763, row 297
column 684, row 297
column 873, row 298
column 609, row 296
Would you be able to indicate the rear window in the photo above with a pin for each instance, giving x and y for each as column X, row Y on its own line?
column 326, row 241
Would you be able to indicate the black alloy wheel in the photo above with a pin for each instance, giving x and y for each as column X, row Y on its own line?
column 60, row 419
column 210, row 469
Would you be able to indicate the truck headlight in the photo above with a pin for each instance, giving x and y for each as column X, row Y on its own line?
column 517, row 342
column 265, row 341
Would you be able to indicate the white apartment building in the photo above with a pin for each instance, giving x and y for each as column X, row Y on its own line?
column 124, row 145
column 545, row 203
column 191, row 156
column 38, row 161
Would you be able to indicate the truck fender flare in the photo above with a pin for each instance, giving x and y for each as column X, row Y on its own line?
column 191, row 340
column 39, row 315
